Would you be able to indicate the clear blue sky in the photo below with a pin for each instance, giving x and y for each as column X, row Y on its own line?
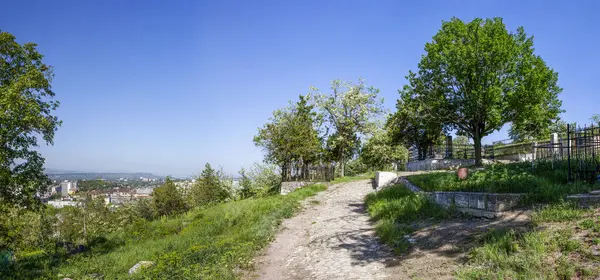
column 165, row 86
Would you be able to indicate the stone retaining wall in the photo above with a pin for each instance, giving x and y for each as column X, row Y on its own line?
column 488, row 205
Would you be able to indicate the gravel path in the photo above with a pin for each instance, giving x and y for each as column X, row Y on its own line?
column 331, row 239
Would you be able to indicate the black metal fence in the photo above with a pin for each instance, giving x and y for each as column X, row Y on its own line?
column 298, row 171
column 498, row 150
column 577, row 150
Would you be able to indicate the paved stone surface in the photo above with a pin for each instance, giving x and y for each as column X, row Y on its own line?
column 331, row 239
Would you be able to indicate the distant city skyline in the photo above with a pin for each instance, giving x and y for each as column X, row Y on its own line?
column 164, row 87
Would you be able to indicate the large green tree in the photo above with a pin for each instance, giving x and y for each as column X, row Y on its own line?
column 481, row 76
column 415, row 123
column 350, row 111
column 379, row 151
column 291, row 136
column 26, row 113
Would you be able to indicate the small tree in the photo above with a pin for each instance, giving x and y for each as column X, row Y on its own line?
column 350, row 111
column 478, row 76
column 291, row 136
column 208, row 188
column 379, row 152
column 167, row 199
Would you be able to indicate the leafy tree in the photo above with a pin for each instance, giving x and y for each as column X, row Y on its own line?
column 291, row 136
column 379, row 151
column 167, row 199
column 595, row 119
column 480, row 76
column 27, row 105
column 208, row 188
column 415, row 123
column 350, row 111
column 460, row 140
column 259, row 180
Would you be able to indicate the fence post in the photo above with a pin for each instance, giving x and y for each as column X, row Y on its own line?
column 569, row 152
column 449, row 146
column 534, row 151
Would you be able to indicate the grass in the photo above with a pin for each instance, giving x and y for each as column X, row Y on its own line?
column 560, row 248
column 347, row 179
column 543, row 185
column 213, row 243
column 395, row 209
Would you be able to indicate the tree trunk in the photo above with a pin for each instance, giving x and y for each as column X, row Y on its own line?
column 342, row 165
column 477, row 144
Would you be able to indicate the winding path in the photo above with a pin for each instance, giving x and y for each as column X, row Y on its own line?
column 331, row 239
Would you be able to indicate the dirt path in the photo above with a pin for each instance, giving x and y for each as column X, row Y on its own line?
column 334, row 239
column 329, row 240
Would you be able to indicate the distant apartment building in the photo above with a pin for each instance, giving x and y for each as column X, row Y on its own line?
column 65, row 188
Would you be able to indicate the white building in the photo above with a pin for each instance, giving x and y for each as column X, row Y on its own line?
column 67, row 188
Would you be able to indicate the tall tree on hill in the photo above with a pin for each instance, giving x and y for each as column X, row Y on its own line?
column 380, row 151
column 481, row 76
column 208, row 188
column 26, row 113
column 167, row 199
column 415, row 123
column 291, row 135
column 350, row 111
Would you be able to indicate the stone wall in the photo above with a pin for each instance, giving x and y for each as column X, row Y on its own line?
column 435, row 164
column 488, row 205
column 384, row 179
column 288, row 187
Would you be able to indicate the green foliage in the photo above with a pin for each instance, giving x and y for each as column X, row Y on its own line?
column 379, row 152
column 541, row 185
column 168, row 200
column 291, row 134
column 26, row 107
column 548, row 253
column 89, row 185
column 561, row 212
column 415, row 123
column 259, row 181
column 355, row 167
column 477, row 76
column 395, row 209
column 205, row 243
column 350, row 110
column 208, row 188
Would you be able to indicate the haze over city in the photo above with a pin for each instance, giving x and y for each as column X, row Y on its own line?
column 150, row 87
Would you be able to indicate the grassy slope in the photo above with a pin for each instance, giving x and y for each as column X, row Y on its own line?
column 211, row 243
column 347, row 179
column 560, row 248
column 543, row 185
column 395, row 209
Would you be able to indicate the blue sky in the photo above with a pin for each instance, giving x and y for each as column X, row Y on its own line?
column 166, row 86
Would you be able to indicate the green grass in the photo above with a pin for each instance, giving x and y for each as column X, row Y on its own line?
column 347, row 179
column 542, row 185
column 555, row 250
column 211, row 243
column 395, row 209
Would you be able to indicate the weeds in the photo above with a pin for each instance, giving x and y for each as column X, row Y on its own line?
column 395, row 209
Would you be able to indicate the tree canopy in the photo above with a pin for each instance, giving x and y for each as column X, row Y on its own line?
column 350, row 110
column 26, row 113
column 379, row 151
column 291, row 135
column 477, row 76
